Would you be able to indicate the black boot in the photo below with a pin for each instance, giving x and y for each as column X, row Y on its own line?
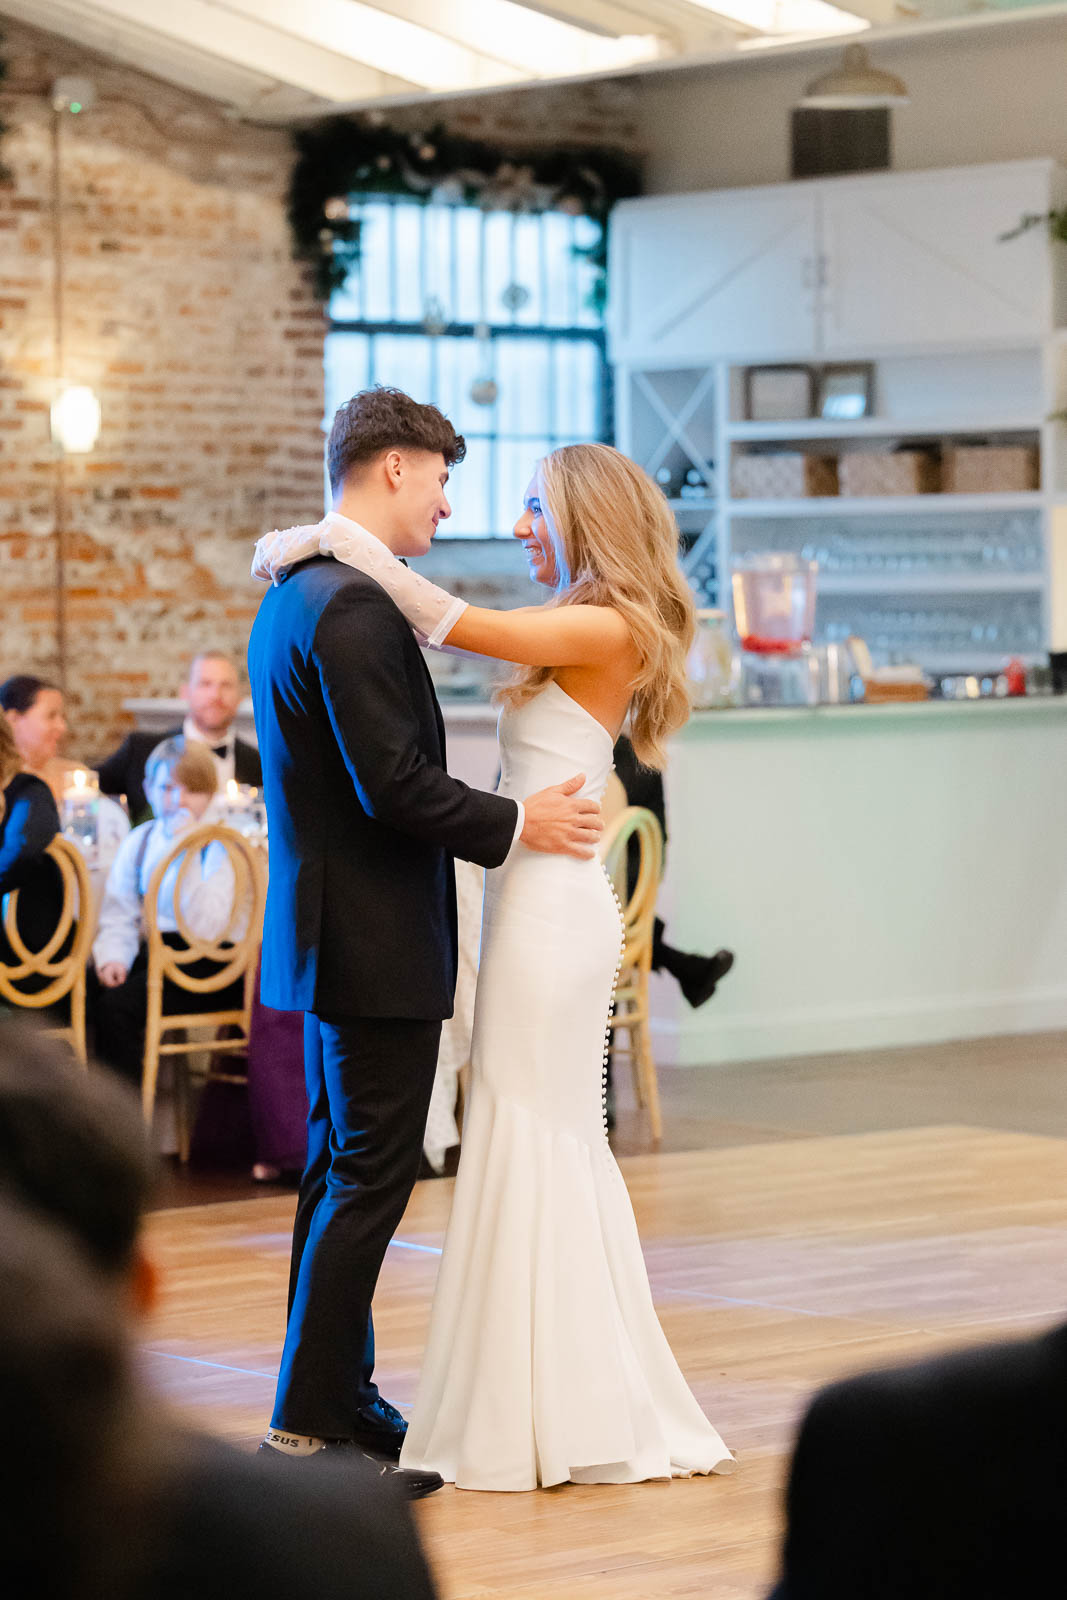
column 697, row 976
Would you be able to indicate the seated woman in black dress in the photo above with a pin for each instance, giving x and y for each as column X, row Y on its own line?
column 29, row 822
column 34, row 709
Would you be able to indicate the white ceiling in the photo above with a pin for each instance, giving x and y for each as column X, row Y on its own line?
column 278, row 60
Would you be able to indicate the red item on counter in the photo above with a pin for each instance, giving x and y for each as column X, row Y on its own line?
column 759, row 644
column 1015, row 673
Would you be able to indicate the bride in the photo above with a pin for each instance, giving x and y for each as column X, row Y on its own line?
column 545, row 1361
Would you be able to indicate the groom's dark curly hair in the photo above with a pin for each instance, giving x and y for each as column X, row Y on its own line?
column 387, row 419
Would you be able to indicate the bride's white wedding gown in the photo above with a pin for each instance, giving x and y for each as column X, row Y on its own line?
column 545, row 1360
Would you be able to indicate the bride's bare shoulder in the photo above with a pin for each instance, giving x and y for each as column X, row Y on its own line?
column 610, row 625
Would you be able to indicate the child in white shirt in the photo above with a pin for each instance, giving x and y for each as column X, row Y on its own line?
column 180, row 783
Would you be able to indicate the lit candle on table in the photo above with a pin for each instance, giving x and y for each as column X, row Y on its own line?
column 78, row 813
column 239, row 803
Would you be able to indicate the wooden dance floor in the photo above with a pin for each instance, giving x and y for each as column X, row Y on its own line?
column 775, row 1266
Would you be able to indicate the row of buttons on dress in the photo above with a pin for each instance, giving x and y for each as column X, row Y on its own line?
column 611, row 1008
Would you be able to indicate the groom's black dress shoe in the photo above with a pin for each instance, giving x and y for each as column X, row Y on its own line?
column 416, row 1485
column 380, row 1429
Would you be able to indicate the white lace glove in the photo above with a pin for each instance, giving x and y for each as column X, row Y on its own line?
column 431, row 610
column 278, row 552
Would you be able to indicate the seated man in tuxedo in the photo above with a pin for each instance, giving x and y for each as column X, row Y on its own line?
column 945, row 1480
column 208, row 1520
column 212, row 693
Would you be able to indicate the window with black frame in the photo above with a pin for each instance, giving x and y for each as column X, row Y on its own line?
column 489, row 315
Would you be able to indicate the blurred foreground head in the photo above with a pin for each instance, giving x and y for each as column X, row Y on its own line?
column 73, row 1148
column 79, row 1460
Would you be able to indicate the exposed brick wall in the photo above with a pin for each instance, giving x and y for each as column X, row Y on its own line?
column 604, row 111
column 187, row 315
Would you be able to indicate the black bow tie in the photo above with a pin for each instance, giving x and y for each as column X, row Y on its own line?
column 220, row 750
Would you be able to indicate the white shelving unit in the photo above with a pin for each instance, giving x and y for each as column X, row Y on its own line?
column 884, row 505
column 916, row 583
column 955, row 581
column 962, row 333
column 869, row 428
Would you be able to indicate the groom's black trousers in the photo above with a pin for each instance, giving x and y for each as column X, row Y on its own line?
column 369, row 1081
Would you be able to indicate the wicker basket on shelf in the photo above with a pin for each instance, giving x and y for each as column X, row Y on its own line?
column 875, row 473
column 783, row 475
column 988, row 469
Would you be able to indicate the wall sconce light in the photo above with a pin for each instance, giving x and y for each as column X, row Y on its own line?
column 75, row 420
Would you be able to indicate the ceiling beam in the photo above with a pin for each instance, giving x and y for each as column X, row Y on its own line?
column 247, row 43
column 234, row 87
column 370, row 34
column 283, row 59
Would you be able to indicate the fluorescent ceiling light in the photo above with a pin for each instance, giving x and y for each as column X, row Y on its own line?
column 792, row 17
column 464, row 44
column 376, row 38
column 541, row 45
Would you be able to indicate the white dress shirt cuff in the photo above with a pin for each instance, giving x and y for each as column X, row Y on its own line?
column 520, row 824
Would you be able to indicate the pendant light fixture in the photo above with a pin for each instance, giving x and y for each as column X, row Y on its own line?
column 856, row 85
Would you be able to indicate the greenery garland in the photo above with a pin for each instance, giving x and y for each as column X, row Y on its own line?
column 343, row 157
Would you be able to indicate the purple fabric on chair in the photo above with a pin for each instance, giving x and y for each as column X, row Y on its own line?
column 277, row 1096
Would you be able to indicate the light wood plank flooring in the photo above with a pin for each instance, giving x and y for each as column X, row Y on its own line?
column 814, row 1218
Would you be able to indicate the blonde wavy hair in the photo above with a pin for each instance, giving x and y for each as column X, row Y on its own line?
column 620, row 549
column 10, row 760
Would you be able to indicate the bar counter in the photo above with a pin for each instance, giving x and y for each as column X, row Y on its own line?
column 886, row 875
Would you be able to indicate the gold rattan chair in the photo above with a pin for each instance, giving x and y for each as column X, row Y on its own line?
column 613, row 801
column 235, row 950
column 631, row 1014
column 61, row 967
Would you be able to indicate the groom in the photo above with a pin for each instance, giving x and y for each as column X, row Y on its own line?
column 360, row 929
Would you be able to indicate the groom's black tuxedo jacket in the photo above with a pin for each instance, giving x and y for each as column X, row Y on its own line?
column 945, row 1480
column 363, row 819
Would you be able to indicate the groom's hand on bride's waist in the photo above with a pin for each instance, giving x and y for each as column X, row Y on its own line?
column 560, row 822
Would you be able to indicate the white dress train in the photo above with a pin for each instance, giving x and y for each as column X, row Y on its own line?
column 545, row 1361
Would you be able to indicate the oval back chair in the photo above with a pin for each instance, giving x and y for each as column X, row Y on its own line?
column 234, row 950
column 631, row 1013
column 58, row 968
column 613, row 801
